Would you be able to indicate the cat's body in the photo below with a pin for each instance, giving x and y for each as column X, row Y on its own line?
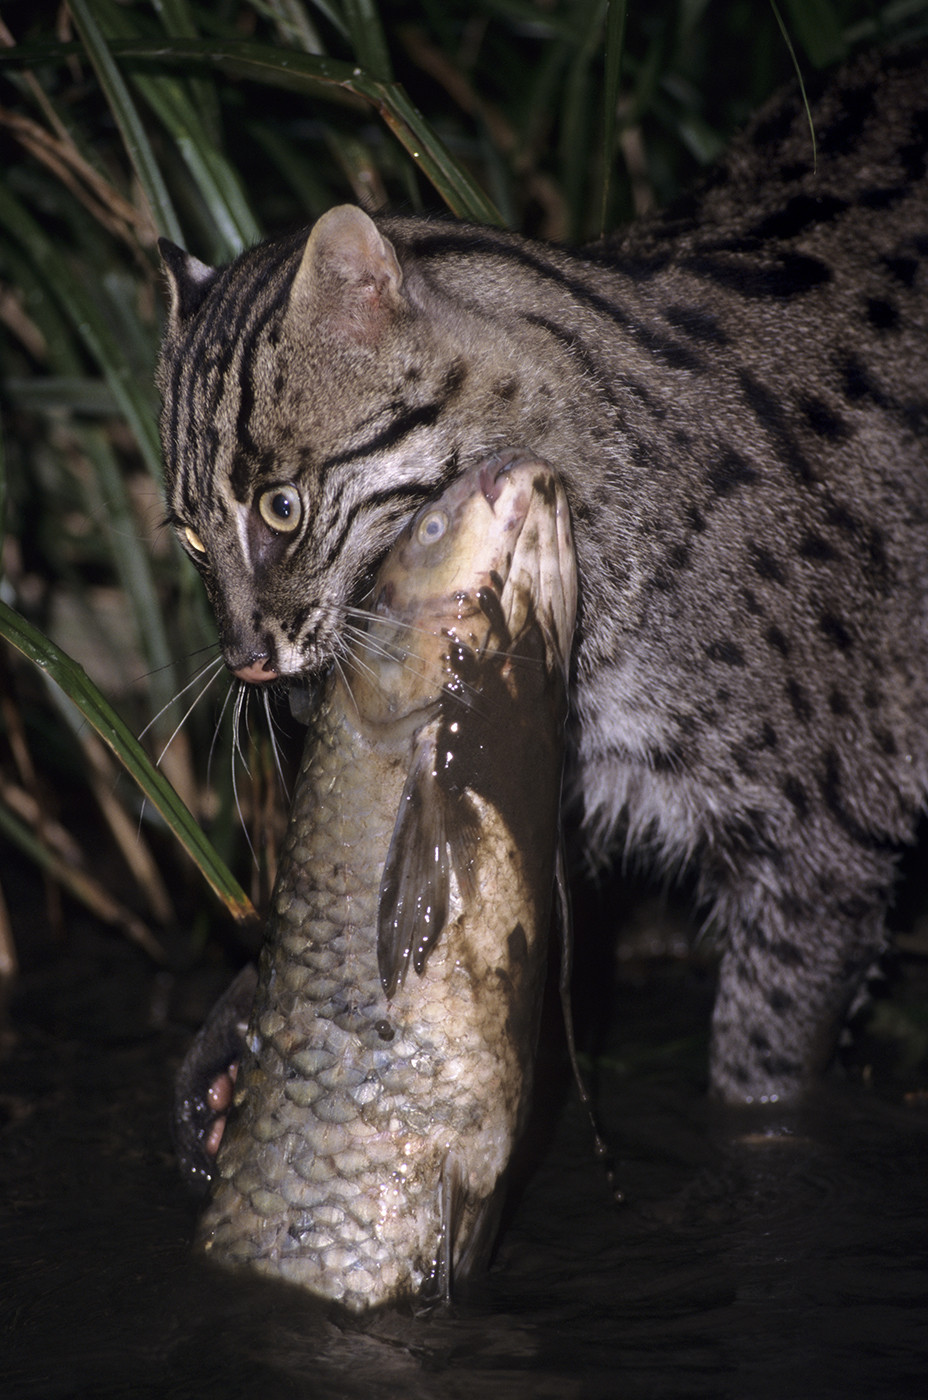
column 736, row 395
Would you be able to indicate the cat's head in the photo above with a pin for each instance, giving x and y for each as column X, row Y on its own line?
column 305, row 417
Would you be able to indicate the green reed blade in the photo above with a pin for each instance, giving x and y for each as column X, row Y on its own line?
column 309, row 75
column 177, row 19
column 306, row 73
column 106, row 489
column 77, row 685
column 85, row 316
column 234, row 225
column 578, row 116
column 368, row 39
column 218, row 184
column 294, row 25
column 615, row 35
column 127, row 119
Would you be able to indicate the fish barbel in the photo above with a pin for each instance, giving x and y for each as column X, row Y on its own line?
column 389, row 1055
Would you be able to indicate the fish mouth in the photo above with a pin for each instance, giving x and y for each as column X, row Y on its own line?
column 496, row 466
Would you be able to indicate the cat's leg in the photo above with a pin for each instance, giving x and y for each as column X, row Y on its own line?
column 802, row 931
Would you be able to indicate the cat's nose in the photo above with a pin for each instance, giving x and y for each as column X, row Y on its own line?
column 257, row 671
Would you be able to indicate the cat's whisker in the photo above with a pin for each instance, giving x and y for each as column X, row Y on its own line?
column 346, row 681
column 187, row 713
column 213, row 664
column 240, row 712
column 217, row 728
column 357, row 658
column 275, row 747
column 399, row 625
column 240, row 705
column 466, row 694
column 169, row 665
column 241, row 815
column 365, row 641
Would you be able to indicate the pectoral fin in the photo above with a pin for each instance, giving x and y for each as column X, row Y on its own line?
column 415, row 883
column 436, row 832
column 462, row 834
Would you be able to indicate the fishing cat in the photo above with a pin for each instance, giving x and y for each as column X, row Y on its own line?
column 736, row 395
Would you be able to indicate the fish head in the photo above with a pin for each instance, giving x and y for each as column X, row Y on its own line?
column 471, row 571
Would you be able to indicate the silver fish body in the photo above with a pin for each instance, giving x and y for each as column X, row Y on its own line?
column 390, row 1051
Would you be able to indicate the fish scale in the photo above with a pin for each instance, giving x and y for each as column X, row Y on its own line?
column 370, row 1134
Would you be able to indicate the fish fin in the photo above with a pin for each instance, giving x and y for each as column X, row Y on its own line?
column 462, row 833
column 474, row 1256
column 451, row 1203
column 468, row 1230
column 414, row 888
column 564, row 916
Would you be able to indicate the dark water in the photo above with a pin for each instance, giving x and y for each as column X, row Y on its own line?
column 782, row 1256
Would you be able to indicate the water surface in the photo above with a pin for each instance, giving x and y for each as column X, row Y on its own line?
column 774, row 1255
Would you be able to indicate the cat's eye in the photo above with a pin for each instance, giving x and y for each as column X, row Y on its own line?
column 194, row 541
column 432, row 527
column 281, row 508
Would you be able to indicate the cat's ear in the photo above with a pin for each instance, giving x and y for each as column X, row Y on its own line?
column 188, row 280
column 349, row 276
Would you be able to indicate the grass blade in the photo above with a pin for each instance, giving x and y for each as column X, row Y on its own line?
column 84, row 314
column 306, row 74
column 79, row 688
column 615, row 34
column 127, row 119
column 216, row 180
column 368, row 39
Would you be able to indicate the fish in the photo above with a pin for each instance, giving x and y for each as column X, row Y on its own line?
column 388, row 1060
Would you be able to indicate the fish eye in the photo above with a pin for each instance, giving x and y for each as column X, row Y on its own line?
column 281, row 508
column 194, row 541
column 432, row 527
